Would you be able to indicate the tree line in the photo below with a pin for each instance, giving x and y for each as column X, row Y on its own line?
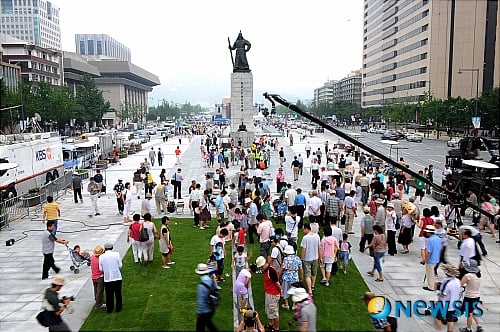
column 57, row 106
column 452, row 114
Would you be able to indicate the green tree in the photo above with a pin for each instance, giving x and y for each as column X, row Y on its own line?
column 91, row 102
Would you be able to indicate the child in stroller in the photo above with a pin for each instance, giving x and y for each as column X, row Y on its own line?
column 78, row 258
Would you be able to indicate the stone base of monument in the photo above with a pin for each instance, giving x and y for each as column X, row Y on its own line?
column 246, row 138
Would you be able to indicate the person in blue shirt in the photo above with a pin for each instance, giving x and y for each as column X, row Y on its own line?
column 221, row 206
column 432, row 256
column 204, row 312
column 300, row 203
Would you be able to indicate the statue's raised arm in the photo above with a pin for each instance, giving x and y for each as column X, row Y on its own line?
column 242, row 46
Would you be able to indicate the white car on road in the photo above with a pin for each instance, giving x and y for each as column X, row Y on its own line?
column 453, row 142
column 414, row 138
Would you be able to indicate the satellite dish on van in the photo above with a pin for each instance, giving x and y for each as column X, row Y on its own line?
column 37, row 117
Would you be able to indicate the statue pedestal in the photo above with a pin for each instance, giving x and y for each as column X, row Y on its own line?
column 242, row 109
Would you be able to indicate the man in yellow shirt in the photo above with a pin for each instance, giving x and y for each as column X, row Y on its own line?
column 51, row 212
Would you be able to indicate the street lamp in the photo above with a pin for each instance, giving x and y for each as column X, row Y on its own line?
column 460, row 71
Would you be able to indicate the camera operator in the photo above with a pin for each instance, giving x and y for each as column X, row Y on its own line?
column 55, row 306
column 251, row 322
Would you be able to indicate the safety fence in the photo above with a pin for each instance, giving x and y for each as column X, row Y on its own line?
column 32, row 203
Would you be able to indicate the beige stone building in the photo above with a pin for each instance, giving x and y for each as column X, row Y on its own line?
column 415, row 46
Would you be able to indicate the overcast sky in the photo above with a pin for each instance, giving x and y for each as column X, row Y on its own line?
column 296, row 45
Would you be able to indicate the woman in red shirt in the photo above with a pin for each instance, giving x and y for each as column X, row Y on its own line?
column 422, row 241
column 97, row 277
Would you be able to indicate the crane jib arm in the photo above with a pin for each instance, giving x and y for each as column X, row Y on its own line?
column 274, row 98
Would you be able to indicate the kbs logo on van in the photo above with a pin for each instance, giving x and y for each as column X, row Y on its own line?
column 44, row 154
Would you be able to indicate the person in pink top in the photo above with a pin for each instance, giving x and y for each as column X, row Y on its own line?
column 329, row 247
column 97, row 277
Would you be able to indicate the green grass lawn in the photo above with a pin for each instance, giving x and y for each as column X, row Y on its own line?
column 165, row 299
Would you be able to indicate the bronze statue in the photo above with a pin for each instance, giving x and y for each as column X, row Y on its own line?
column 242, row 46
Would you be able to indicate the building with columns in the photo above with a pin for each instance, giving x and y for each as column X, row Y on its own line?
column 124, row 85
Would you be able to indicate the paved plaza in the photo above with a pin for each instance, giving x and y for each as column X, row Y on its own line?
column 21, row 286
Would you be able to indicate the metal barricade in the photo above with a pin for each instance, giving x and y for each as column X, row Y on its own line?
column 23, row 206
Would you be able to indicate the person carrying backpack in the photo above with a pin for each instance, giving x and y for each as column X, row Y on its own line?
column 204, row 311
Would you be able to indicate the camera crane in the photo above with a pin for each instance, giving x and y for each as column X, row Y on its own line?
column 457, row 198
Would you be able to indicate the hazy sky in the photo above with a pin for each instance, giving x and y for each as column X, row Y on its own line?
column 296, row 45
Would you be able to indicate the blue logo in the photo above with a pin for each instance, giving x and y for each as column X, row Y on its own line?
column 380, row 308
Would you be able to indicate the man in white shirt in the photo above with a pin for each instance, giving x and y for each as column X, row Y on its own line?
column 310, row 255
column 290, row 195
column 258, row 175
column 449, row 295
column 194, row 203
column 350, row 211
column 110, row 264
column 314, row 210
column 292, row 224
column 476, row 235
column 252, row 212
column 308, row 150
column 301, row 162
column 336, row 231
column 467, row 250
column 444, row 174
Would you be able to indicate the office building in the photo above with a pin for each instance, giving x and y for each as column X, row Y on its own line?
column 101, row 46
column 36, row 63
column 33, row 21
column 346, row 89
column 411, row 47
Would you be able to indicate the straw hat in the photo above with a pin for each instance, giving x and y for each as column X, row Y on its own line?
column 430, row 229
column 450, row 270
column 98, row 250
column 202, row 269
column 148, row 195
column 299, row 295
column 390, row 205
column 58, row 280
column 248, row 200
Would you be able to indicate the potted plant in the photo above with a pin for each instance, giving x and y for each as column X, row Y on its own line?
column 32, row 197
column 83, row 173
column 123, row 153
column 102, row 164
column 131, row 149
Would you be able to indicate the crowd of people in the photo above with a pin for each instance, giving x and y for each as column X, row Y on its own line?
column 245, row 213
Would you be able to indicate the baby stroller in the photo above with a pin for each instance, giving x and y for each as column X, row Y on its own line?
column 78, row 259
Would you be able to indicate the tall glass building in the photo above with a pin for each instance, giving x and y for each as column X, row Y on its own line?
column 34, row 21
column 101, row 45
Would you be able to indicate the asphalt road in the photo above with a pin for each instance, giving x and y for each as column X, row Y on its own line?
column 417, row 155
